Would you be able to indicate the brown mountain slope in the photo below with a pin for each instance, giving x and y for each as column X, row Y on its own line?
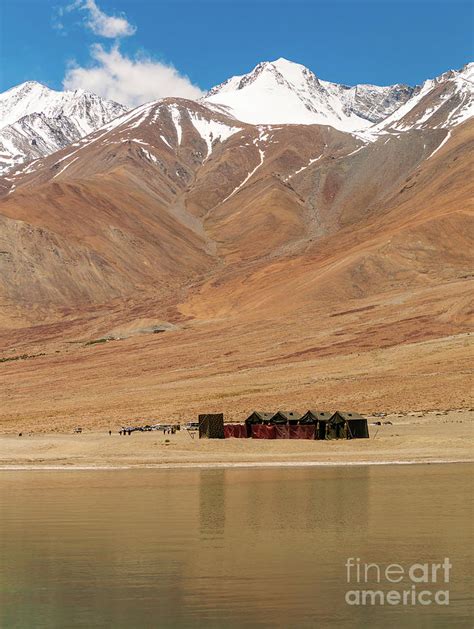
column 418, row 235
column 256, row 247
column 147, row 216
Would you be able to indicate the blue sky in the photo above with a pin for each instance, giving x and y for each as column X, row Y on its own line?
column 377, row 42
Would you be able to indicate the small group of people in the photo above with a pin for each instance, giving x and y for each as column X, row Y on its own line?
column 167, row 430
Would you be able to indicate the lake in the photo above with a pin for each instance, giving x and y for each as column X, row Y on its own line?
column 231, row 548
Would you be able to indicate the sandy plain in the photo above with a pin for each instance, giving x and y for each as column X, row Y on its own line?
column 409, row 438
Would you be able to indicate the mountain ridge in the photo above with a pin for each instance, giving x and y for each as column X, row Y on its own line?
column 310, row 100
column 36, row 121
column 313, row 94
column 267, row 256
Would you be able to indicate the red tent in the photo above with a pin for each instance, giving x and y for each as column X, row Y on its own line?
column 238, row 431
column 302, row 432
column 294, row 432
column 260, row 431
column 282, row 431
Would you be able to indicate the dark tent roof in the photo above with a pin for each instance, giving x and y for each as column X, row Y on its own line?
column 287, row 415
column 348, row 415
column 261, row 415
column 318, row 415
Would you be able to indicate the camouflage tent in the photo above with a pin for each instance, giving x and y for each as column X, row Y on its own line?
column 211, row 426
column 259, row 417
column 347, row 425
column 256, row 418
column 319, row 419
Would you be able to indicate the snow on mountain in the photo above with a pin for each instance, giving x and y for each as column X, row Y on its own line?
column 180, row 118
column 283, row 92
column 439, row 103
column 178, row 126
column 33, row 136
column 36, row 121
column 211, row 131
column 32, row 97
column 370, row 102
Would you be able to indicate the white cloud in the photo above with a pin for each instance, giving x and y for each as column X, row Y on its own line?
column 130, row 81
column 116, row 76
column 100, row 23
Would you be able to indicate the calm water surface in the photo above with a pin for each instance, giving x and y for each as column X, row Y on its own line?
column 227, row 547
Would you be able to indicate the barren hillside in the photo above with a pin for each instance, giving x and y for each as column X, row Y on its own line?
column 179, row 260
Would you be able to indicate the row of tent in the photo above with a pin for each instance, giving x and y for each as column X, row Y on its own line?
column 288, row 425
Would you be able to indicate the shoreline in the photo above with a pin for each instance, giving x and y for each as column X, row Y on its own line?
column 220, row 465
column 429, row 439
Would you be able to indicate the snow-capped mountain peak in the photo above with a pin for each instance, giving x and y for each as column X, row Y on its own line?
column 36, row 120
column 282, row 71
column 34, row 98
column 282, row 91
column 22, row 100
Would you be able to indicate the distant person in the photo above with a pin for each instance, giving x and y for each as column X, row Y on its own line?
column 110, row 432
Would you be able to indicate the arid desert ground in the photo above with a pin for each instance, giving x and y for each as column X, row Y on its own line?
column 409, row 438
column 282, row 267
